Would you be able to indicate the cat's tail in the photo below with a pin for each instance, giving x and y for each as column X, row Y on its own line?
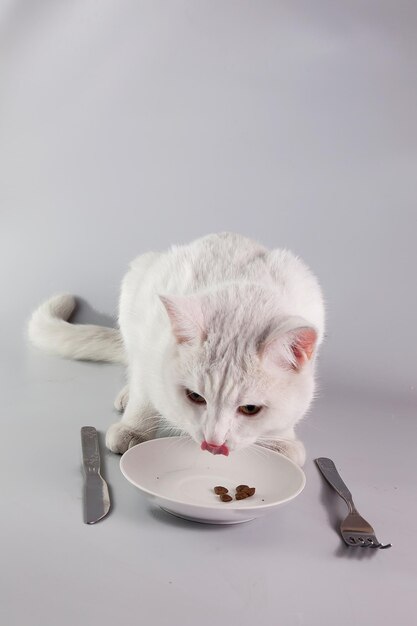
column 49, row 330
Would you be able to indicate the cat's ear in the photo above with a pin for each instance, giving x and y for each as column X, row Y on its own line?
column 186, row 317
column 291, row 345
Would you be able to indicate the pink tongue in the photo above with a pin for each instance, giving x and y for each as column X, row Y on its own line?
column 210, row 447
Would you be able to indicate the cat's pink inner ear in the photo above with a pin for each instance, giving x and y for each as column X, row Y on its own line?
column 186, row 317
column 290, row 349
column 302, row 344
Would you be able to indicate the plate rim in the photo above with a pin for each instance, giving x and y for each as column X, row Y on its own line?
column 234, row 507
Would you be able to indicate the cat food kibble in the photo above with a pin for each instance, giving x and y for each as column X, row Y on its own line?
column 220, row 490
column 242, row 492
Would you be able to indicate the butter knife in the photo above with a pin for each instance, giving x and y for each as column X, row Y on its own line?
column 96, row 493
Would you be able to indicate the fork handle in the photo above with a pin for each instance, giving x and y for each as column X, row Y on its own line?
column 330, row 473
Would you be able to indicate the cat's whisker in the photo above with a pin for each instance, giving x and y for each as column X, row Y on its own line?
column 244, row 451
column 264, row 444
column 243, row 320
column 258, row 450
column 146, row 430
column 173, row 430
column 183, row 441
column 178, row 442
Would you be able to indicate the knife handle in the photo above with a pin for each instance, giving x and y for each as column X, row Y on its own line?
column 91, row 452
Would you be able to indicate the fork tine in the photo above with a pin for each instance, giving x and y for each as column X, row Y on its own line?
column 355, row 530
column 374, row 543
column 367, row 542
column 377, row 544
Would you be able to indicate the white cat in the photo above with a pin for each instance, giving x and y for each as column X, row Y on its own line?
column 220, row 338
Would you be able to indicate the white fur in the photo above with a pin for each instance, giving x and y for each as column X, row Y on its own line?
column 49, row 330
column 222, row 316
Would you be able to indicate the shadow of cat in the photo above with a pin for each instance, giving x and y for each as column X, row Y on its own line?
column 84, row 313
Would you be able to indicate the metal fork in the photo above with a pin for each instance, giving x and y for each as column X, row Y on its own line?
column 356, row 531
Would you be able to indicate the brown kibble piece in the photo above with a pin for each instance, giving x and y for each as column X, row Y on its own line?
column 224, row 497
column 219, row 490
column 243, row 491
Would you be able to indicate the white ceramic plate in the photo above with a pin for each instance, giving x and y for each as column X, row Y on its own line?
column 179, row 477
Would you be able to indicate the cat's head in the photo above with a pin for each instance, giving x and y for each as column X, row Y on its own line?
column 240, row 371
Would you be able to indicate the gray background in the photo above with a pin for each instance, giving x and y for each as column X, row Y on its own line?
column 128, row 126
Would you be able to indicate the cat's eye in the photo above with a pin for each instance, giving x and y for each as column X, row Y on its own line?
column 249, row 409
column 195, row 397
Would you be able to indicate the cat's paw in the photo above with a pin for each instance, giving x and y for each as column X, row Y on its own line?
column 122, row 399
column 120, row 438
column 293, row 449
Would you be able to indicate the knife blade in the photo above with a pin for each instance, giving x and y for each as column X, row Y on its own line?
column 96, row 492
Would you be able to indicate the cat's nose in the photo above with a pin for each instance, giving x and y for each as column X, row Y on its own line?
column 215, row 448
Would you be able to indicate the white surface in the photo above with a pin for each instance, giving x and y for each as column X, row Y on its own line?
column 127, row 126
column 140, row 559
column 175, row 474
